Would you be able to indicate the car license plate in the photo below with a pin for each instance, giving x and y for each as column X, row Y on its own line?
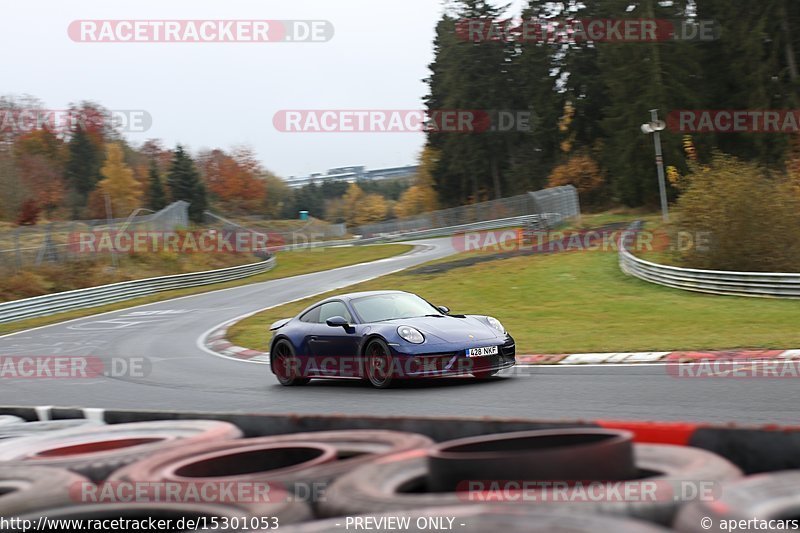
column 482, row 352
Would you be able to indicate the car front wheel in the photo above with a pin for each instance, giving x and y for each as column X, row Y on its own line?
column 286, row 366
column 378, row 364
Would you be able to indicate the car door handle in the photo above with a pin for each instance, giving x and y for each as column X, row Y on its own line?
column 312, row 338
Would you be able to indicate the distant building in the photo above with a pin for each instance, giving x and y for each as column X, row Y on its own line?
column 353, row 174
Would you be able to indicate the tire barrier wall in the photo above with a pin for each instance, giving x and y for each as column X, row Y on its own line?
column 385, row 473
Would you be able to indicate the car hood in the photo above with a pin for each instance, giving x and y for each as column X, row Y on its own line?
column 450, row 329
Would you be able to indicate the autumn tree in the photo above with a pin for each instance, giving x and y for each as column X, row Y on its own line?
column 278, row 195
column 718, row 206
column 581, row 171
column 234, row 179
column 360, row 208
column 14, row 193
column 421, row 196
column 29, row 213
column 119, row 183
column 40, row 157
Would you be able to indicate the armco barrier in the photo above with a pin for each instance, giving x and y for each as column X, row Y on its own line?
column 116, row 292
column 547, row 219
column 754, row 284
column 50, row 304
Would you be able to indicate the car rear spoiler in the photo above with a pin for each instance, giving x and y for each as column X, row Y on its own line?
column 279, row 324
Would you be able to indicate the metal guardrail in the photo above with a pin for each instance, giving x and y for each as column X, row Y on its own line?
column 753, row 284
column 549, row 218
column 50, row 304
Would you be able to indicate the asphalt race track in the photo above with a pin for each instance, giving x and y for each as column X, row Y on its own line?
column 184, row 376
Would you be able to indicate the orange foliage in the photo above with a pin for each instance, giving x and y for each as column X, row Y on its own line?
column 579, row 170
column 234, row 179
column 40, row 157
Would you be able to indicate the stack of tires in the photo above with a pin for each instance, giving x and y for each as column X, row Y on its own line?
column 204, row 474
column 189, row 471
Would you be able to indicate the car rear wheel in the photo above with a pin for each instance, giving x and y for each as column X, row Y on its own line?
column 286, row 366
column 378, row 364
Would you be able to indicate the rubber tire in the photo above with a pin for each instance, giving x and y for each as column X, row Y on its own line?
column 374, row 487
column 97, row 465
column 32, row 488
column 285, row 513
column 762, row 496
column 388, row 380
column 289, row 381
column 358, row 447
column 519, row 519
column 25, row 429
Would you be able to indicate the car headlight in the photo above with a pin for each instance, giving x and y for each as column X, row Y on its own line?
column 410, row 334
column 495, row 324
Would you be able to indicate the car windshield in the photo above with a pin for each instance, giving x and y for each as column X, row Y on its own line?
column 382, row 307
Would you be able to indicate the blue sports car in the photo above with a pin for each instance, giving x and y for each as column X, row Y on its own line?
column 382, row 336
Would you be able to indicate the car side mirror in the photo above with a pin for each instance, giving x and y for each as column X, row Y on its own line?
column 337, row 322
column 445, row 310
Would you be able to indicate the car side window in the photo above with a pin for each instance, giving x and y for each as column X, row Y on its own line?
column 332, row 309
column 311, row 316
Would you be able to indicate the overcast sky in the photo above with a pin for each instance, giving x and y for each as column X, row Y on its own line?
column 225, row 94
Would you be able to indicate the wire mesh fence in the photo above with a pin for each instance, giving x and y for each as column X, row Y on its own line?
column 55, row 242
column 559, row 202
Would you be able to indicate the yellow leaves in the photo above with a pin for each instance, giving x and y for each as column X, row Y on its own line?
column 675, row 178
column 119, row 182
column 752, row 222
column 360, row 208
column 579, row 170
column 566, row 119
column 420, row 197
column 416, row 200
column 688, row 148
column 564, row 124
column 793, row 166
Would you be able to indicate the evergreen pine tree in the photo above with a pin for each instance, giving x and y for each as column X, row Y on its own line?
column 83, row 168
column 156, row 199
column 184, row 184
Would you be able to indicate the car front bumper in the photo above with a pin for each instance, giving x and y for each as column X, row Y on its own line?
column 452, row 363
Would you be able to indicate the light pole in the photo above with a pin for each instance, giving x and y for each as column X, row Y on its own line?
column 656, row 126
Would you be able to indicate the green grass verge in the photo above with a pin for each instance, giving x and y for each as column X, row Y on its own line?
column 291, row 263
column 581, row 302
